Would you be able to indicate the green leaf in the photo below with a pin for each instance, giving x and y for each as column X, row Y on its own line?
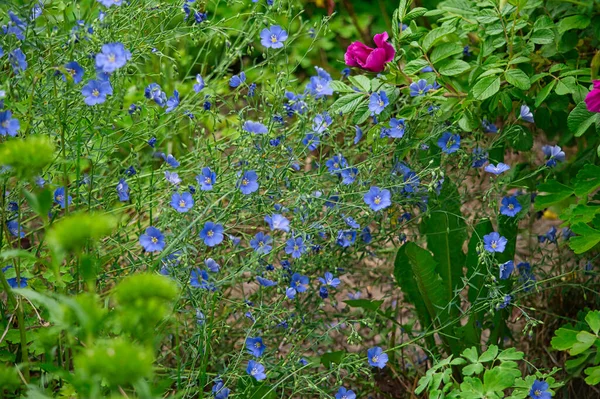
column 585, row 340
column 453, row 67
column 519, row 137
column 510, row 354
column 498, row 379
column 415, row 66
column 587, row 180
column 593, row 375
column 486, row 87
column 517, row 78
column 586, row 239
column 27, row 156
column 436, row 34
column 519, row 60
column 445, row 50
column 593, row 320
column 542, row 36
column 348, row 103
column 580, row 119
column 564, row 339
column 361, row 82
column 41, row 203
column 340, row 87
column 580, row 213
column 72, row 232
column 579, row 21
column 542, row 94
column 489, row 355
column 329, row 358
column 364, row 304
column 470, row 354
column 566, row 85
column 474, row 368
column 550, row 193
column 414, row 13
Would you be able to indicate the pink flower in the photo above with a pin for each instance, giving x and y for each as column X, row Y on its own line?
column 372, row 59
column 592, row 100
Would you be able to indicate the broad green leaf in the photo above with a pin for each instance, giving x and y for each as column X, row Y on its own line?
column 415, row 66
column 340, row 87
column 348, row 103
column 580, row 119
column 361, row 82
column 550, row 193
column 585, row 340
column 453, row 67
column 445, row 50
column 542, row 36
column 593, row 320
column 579, row 213
column 41, row 203
column 542, row 94
column 474, row 368
column 435, row 35
column 517, row 78
column 586, row 239
column 587, row 180
column 510, row 354
column 364, row 304
column 564, row 339
column 489, row 354
column 76, row 230
column 593, row 375
column 471, row 354
column 579, row 21
column 27, row 156
column 498, row 379
column 519, row 137
column 519, row 60
column 486, row 87
column 414, row 14
column 330, row 358
column 566, row 85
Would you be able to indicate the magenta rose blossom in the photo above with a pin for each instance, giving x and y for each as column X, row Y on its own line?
column 592, row 100
column 372, row 59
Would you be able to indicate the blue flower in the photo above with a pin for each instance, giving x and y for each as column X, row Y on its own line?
column 265, row 282
column 74, row 70
column 152, row 240
column 539, row 390
column 8, row 124
column 212, row 234
column 553, row 153
column 123, row 190
column 365, row 235
column 506, row 269
column 479, row 157
column 449, row 143
column 505, row 302
column 255, row 127
column 346, row 238
column 489, row 127
column 12, row 282
column 336, row 164
column 378, row 199
column 108, row 3
column 376, row 357
column 152, row 142
column 172, row 178
column 510, row 206
column 330, row 280
column 95, row 91
column 526, row 114
column 199, row 279
column 154, row 92
column 378, row 102
column 311, row 141
column 261, row 243
column 299, row 282
column 59, row 197
column 323, row 292
column 206, row 179
column 170, row 160
column 182, row 202
column 420, row 88
column 295, row 247
column 467, row 52
column 112, row 57
column 319, row 87
column 351, row 222
column 255, row 346
column 15, row 229
column 220, row 390
column 358, row 135
column 251, row 90
column 349, row 175
column 200, row 17
column 248, row 183
column 494, row 242
column 396, row 129
column 18, row 61
column 256, row 370
column 237, row 80
column 199, row 85
column 550, row 236
column 321, row 122
column 496, row 170
column 278, row 222
column 172, row 102
column 273, row 37
column 344, row 393
column 212, row 265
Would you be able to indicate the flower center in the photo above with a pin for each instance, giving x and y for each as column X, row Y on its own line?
column 154, row 240
column 511, row 207
column 112, row 58
column 349, row 236
column 245, row 182
column 210, row 233
column 273, row 39
column 296, row 248
column 254, row 371
column 537, row 392
column 207, row 180
column 5, row 124
column 71, row 72
column 95, row 92
column 377, row 200
column 381, row 104
column 375, row 359
column 261, row 244
column 257, row 345
column 59, row 198
column 182, row 204
column 494, row 245
column 336, row 165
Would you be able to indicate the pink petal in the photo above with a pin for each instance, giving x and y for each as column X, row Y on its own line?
column 381, row 42
column 376, row 61
column 357, row 54
column 596, row 84
column 592, row 100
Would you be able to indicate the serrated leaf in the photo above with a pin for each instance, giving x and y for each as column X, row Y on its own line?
column 551, row 193
column 542, row 94
column 510, row 354
column 445, row 50
column 593, row 320
column 519, row 60
column 414, row 13
column 489, row 354
column 566, row 85
column 471, row 369
column 348, row 103
column 340, row 87
column 470, row 354
column 580, row 119
column 453, row 68
column 586, row 239
column 415, row 66
column 564, row 339
column 542, row 36
column 361, row 82
column 435, row 35
column 486, row 87
column 585, row 340
column 587, row 180
column 579, row 21
column 517, row 78
column 593, row 375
